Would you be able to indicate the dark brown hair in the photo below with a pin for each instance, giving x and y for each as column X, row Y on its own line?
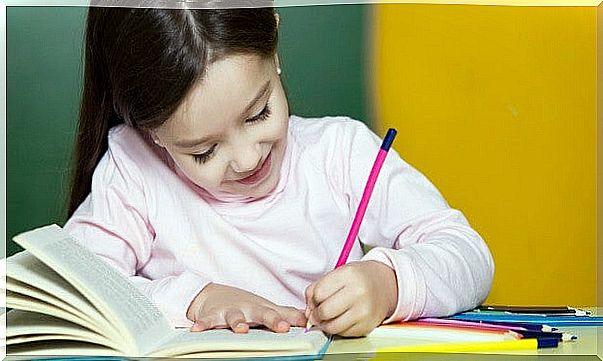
column 141, row 63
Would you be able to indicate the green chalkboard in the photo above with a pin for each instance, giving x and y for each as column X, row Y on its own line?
column 44, row 67
column 322, row 54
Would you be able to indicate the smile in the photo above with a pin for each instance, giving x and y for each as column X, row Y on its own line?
column 260, row 173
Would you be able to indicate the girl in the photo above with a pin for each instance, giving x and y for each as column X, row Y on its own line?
column 193, row 180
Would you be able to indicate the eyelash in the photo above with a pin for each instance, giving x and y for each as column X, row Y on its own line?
column 263, row 115
column 204, row 157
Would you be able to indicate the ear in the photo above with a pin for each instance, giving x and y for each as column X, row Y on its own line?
column 277, row 61
column 156, row 139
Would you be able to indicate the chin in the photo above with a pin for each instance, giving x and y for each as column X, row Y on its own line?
column 262, row 191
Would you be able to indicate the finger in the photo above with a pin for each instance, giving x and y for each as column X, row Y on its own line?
column 309, row 299
column 273, row 320
column 334, row 306
column 199, row 326
column 235, row 319
column 292, row 315
column 327, row 286
column 339, row 324
column 205, row 323
column 357, row 330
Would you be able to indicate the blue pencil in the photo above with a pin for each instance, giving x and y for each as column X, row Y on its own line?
column 527, row 326
column 539, row 334
column 547, row 342
column 513, row 319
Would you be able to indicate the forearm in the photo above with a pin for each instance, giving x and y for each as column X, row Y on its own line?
column 173, row 295
column 447, row 270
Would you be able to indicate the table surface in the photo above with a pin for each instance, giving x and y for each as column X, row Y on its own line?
column 588, row 339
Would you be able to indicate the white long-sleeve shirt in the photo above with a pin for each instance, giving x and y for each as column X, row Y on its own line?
column 144, row 217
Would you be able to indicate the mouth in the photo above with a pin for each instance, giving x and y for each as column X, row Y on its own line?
column 260, row 173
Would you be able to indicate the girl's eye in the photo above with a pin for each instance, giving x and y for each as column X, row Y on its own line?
column 204, row 157
column 261, row 116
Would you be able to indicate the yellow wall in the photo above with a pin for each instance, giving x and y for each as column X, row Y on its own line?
column 599, row 167
column 497, row 106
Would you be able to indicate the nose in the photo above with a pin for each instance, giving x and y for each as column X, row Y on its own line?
column 246, row 156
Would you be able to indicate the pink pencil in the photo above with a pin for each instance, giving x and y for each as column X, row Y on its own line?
column 366, row 196
column 439, row 321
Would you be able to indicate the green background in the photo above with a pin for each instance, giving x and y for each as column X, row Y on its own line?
column 322, row 51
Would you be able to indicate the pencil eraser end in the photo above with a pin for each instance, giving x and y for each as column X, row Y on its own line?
column 389, row 139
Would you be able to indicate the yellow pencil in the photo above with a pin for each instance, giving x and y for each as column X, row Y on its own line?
column 467, row 347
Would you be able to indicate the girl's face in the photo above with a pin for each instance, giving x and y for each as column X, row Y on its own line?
column 229, row 134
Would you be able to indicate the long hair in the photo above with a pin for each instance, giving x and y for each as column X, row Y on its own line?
column 141, row 63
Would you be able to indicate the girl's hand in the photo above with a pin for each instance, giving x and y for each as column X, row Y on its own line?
column 219, row 306
column 353, row 299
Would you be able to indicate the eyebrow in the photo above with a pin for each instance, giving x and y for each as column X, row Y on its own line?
column 193, row 142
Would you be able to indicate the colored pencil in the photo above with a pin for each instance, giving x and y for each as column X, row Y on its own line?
column 532, row 331
column 535, row 309
column 366, row 196
column 529, row 314
column 561, row 336
column 467, row 347
column 470, row 324
column 527, row 326
column 413, row 329
column 510, row 318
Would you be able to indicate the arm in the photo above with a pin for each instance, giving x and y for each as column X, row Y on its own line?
column 426, row 260
column 442, row 265
column 112, row 222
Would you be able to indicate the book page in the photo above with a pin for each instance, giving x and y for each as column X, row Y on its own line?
column 46, row 349
column 91, row 319
column 26, row 268
column 30, row 326
column 21, row 302
column 140, row 322
column 257, row 341
column 33, row 339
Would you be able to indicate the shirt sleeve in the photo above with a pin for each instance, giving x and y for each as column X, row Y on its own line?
column 442, row 265
column 112, row 222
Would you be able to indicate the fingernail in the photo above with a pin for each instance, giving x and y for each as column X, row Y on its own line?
column 308, row 327
column 282, row 324
column 240, row 325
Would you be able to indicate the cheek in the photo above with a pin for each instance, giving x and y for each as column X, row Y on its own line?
column 278, row 129
column 275, row 133
column 278, row 125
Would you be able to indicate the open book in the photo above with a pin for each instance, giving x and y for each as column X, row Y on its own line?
column 66, row 301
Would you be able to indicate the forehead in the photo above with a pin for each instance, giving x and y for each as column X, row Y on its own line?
column 220, row 96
